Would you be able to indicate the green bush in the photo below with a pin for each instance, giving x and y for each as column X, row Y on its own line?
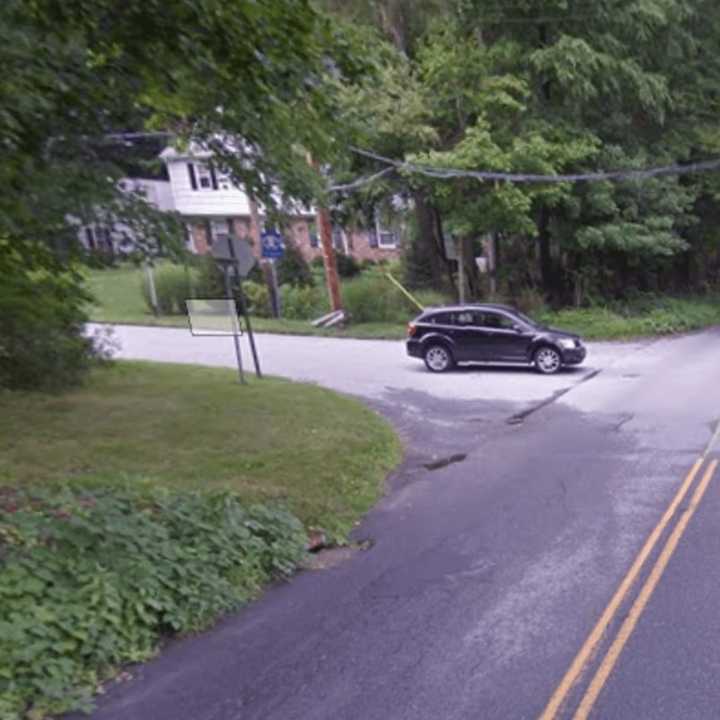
column 293, row 269
column 42, row 318
column 258, row 298
column 93, row 578
column 347, row 266
column 173, row 285
column 208, row 277
column 303, row 303
column 373, row 298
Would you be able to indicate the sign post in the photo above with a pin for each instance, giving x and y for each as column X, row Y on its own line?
column 273, row 248
column 232, row 253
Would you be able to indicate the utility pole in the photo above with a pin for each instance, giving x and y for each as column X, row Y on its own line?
column 328, row 252
column 329, row 260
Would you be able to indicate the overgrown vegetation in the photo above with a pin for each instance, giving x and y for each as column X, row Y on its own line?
column 129, row 512
column 544, row 87
column 42, row 313
column 94, row 577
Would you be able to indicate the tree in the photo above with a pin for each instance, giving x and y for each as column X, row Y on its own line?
column 245, row 79
column 542, row 86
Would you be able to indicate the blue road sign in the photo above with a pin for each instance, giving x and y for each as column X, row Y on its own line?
column 273, row 246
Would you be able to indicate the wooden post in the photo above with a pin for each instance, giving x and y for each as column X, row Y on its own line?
column 329, row 260
column 328, row 251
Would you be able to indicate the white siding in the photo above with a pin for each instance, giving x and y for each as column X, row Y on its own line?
column 203, row 202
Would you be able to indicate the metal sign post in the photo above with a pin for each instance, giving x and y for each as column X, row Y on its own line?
column 236, row 336
column 273, row 248
column 232, row 252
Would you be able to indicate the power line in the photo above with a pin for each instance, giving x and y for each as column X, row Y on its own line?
column 527, row 178
column 356, row 184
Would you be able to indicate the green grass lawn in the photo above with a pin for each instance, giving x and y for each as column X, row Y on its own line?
column 118, row 300
column 323, row 455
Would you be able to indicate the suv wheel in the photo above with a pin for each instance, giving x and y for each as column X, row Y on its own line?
column 547, row 360
column 438, row 358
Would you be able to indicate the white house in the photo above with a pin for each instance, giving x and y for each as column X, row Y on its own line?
column 214, row 207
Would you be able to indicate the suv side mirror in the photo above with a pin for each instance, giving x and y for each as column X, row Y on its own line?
column 518, row 328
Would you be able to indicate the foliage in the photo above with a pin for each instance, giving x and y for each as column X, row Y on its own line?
column 347, row 265
column 173, row 286
column 644, row 316
column 258, row 298
column 373, row 298
column 249, row 80
column 42, row 314
column 93, row 577
column 293, row 269
column 528, row 88
column 303, row 303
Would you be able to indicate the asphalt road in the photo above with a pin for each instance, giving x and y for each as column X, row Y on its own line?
column 488, row 573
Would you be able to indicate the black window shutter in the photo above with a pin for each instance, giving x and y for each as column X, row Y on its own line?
column 213, row 178
column 193, row 179
column 208, row 230
column 373, row 238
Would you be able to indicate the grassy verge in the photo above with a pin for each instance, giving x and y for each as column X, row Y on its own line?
column 644, row 318
column 120, row 301
column 323, row 455
column 153, row 500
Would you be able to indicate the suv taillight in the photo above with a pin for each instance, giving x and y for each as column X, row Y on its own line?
column 411, row 329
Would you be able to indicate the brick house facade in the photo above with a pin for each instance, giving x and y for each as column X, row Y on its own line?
column 360, row 244
column 214, row 207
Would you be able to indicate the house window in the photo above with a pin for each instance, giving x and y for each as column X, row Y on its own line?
column 219, row 230
column 202, row 177
column 385, row 238
column 313, row 234
column 338, row 239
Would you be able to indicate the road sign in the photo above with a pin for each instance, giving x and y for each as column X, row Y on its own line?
column 273, row 246
column 236, row 251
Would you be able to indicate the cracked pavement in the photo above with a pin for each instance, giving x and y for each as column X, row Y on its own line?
column 520, row 504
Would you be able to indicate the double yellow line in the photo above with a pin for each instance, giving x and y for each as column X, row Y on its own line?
column 591, row 644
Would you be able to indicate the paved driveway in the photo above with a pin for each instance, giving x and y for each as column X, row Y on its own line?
column 369, row 368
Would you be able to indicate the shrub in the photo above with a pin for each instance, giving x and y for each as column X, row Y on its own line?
column 173, row 285
column 317, row 263
column 373, row 298
column 209, row 282
column 93, row 578
column 258, row 298
column 293, row 269
column 303, row 303
column 347, row 266
column 42, row 317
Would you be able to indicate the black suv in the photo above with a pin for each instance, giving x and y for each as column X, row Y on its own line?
column 445, row 336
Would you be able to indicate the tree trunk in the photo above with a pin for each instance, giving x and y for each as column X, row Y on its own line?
column 430, row 249
column 546, row 265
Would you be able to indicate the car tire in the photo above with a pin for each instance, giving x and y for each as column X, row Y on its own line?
column 438, row 358
column 547, row 360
